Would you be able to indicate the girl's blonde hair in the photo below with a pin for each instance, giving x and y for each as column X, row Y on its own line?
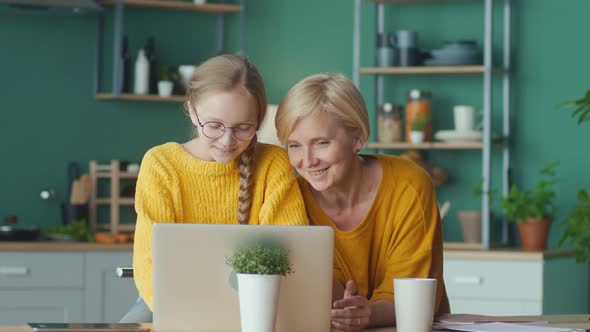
column 331, row 92
column 223, row 73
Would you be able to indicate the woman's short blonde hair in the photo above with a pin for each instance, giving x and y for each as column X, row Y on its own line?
column 331, row 92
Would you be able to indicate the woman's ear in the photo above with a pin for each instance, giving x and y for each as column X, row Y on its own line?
column 360, row 139
column 191, row 113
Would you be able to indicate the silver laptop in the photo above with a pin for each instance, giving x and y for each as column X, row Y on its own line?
column 195, row 290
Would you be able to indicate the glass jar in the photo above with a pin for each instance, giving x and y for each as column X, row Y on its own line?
column 418, row 116
column 389, row 121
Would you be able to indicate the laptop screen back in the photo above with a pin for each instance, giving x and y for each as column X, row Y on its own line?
column 195, row 290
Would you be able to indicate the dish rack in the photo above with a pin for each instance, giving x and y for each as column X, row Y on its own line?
column 113, row 173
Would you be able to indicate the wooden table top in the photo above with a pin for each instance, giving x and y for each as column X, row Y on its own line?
column 569, row 321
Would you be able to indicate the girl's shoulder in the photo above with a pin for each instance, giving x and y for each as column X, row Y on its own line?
column 271, row 156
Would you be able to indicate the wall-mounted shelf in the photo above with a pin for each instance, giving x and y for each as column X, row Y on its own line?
column 426, row 146
column 180, row 5
column 217, row 9
column 134, row 97
column 423, row 70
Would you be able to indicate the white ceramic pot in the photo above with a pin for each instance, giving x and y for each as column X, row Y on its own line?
column 199, row 2
column 416, row 137
column 259, row 299
column 164, row 88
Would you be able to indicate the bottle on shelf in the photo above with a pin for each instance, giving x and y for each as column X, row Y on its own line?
column 142, row 73
column 418, row 107
column 126, row 60
column 390, row 123
column 150, row 53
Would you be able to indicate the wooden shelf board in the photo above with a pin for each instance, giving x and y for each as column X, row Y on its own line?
column 423, row 70
column 426, row 146
column 103, row 201
column 134, row 97
column 127, row 201
column 461, row 246
column 181, row 5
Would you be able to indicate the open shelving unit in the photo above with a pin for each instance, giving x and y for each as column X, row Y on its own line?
column 485, row 70
column 115, row 201
column 220, row 9
column 134, row 97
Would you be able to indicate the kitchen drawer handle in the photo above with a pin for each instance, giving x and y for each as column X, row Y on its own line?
column 468, row 280
column 14, row 270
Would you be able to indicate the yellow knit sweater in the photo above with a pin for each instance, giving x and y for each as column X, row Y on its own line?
column 175, row 187
column 400, row 236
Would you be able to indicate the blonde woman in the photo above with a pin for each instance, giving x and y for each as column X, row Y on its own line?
column 383, row 209
column 222, row 175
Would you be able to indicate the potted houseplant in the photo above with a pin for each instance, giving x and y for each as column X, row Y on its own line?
column 165, row 83
column 417, row 126
column 532, row 209
column 259, row 270
column 578, row 227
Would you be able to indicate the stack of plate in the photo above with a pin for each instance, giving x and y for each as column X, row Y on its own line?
column 458, row 136
column 453, row 53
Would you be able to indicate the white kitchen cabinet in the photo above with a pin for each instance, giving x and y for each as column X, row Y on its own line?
column 63, row 286
column 515, row 283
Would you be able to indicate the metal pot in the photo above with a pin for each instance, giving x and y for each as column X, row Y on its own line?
column 11, row 233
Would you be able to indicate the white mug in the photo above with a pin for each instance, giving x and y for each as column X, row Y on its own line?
column 464, row 118
column 414, row 304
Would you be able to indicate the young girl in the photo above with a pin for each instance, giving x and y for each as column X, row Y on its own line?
column 220, row 176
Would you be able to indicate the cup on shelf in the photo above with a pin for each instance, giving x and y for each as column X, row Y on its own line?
column 165, row 88
column 414, row 304
column 199, row 2
column 464, row 117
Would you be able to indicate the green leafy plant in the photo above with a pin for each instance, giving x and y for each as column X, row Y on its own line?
column 260, row 259
column 537, row 203
column 582, row 107
column 578, row 227
column 419, row 122
column 78, row 230
column 165, row 74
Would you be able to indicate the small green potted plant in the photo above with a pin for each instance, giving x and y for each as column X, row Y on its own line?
column 417, row 125
column 165, row 82
column 578, row 227
column 533, row 209
column 259, row 270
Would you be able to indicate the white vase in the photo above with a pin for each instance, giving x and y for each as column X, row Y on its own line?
column 164, row 88
column 416, row 136
column 259, row 299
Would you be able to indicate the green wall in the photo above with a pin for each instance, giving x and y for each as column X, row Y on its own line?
column 49, row 115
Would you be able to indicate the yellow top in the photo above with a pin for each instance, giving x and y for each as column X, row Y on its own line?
column 175, row 187
column 399, row 237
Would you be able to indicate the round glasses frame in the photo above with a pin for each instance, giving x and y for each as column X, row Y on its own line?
column 219, row 128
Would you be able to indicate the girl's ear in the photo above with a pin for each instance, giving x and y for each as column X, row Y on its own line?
column 191, row 113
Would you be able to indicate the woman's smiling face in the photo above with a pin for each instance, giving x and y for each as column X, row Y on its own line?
column 321, row 150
